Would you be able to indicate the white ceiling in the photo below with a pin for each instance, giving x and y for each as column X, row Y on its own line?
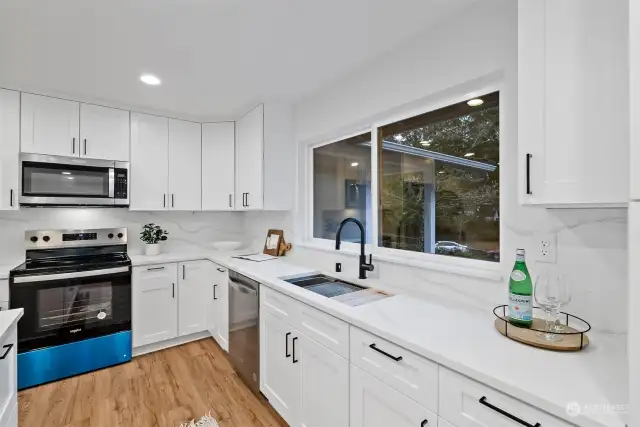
column 216, row 58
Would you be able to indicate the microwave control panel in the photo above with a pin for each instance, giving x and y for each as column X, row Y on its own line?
column 121, row 184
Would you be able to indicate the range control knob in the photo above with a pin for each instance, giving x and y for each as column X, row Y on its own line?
column 46, row 238
column 120, row 235
column 110, row 235
column 34, row 239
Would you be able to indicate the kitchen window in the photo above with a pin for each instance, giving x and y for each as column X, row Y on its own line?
column 342, row 187
column 438, row 180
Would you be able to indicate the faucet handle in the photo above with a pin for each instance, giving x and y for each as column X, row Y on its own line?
column 370, row 259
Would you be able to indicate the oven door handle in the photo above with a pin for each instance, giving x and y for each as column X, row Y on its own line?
column 74, row 275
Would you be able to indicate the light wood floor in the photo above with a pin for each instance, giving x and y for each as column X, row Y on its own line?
column 161, row 389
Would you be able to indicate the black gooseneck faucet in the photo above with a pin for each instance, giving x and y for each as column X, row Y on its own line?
column 363, row 265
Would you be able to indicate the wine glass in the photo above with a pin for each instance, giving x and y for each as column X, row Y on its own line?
column 552, row 293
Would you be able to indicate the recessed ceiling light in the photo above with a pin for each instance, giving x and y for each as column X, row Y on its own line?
column 475, row 102
column 150, row 79
column 66, row 173
column 470, row 154
column 354, row 164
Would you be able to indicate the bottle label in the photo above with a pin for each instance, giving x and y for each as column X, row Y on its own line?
column 520, row 307
column 518, row 276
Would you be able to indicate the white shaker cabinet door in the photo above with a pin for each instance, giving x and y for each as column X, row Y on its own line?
column 149, row 167
column 154, row 304
column 8, row 378
column 219, row 311
column 249, row 160
column 194, row 296
column 218, row 166
column 324, row 391
column 49, row 126
column 9, row 149
column 104, row 133
column 279, row 376
column 185, row 178
column 375, row 404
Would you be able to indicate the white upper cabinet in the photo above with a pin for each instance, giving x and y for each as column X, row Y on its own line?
column 265, row 159
column 185, row 141
column 249, row 160
column 218, row 166
column 49, row 126
column 104, row 133
column 573, row 114
column 9, row 148
column 149, row 167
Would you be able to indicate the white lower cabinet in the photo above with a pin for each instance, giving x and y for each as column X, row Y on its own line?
column 444, row 423
column 194, row 296
column 307, row 383
column 9, row 379
column 154, row 315
column 218, row 311
column 375, row 404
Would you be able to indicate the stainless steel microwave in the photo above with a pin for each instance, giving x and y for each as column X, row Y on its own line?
column 69, row 181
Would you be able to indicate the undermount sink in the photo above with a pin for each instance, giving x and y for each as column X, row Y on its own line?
column 324, row 285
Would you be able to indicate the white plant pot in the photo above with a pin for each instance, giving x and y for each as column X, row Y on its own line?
column 152, row 248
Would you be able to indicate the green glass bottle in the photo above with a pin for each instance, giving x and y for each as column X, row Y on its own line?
column 520, row 293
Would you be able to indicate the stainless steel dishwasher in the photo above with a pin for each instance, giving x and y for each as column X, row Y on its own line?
column 244, row 328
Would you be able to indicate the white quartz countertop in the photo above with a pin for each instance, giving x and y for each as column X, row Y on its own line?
column 467, row 342
column 8, row 318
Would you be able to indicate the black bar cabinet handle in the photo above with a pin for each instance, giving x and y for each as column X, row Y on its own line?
column 155, row 268
column 247, row 199
column 230, row 200
column 373, row 347
column 286, row 346
column 221, row 270
column 85, row 146
column 214, row 292
column 8, row 347
column 529, row 173
column 173, row 290
column 483, row 401
column 172, row 200
column 184, row 268
column 73, row 145
column 424, row 423
column 294, row 350
column 11, row 198
column 164, row 200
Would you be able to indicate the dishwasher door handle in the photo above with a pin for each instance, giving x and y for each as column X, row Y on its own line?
column 242, row 288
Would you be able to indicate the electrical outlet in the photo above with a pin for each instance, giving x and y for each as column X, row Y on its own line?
column 546, row 248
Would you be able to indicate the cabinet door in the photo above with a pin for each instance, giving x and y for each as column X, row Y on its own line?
column 249, row 165
column 104, row 133
column 375, row 404
column 149, row 166
column 194, row 296
column 565, row 110
column 279, row 376
column 9, row 148
column 155, row 304
column 8, row 376
column 185, row 178
column 49, row 126
column 218, row 166
column 324, row 392
column 219, row 312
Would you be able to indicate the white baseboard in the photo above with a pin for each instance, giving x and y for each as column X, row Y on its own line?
column 157, row 346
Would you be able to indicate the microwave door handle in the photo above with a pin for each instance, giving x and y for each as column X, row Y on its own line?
column 112, row 182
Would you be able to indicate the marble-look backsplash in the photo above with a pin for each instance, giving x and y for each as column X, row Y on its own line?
column 591, row 252
column 183, row 227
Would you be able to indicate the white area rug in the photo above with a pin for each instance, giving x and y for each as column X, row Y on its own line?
column 205, row 421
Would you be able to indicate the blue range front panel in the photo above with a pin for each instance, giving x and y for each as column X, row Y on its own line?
column 62, row 361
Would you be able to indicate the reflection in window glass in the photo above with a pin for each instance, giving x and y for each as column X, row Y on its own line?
column 439, row 181
column 342, row 187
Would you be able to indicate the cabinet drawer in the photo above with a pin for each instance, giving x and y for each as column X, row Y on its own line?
column 468, row 403
column 279, row 305
column 325, row 329
column 412, row 375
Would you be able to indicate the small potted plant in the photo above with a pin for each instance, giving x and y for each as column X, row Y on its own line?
column 152, row 235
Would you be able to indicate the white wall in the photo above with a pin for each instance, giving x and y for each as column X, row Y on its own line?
column 458, row 56
column 183, row 227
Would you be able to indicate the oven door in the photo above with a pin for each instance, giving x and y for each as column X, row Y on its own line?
column 52, row 180
column 67, row 307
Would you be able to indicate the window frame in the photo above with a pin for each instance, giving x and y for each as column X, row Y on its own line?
column 457, row 265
